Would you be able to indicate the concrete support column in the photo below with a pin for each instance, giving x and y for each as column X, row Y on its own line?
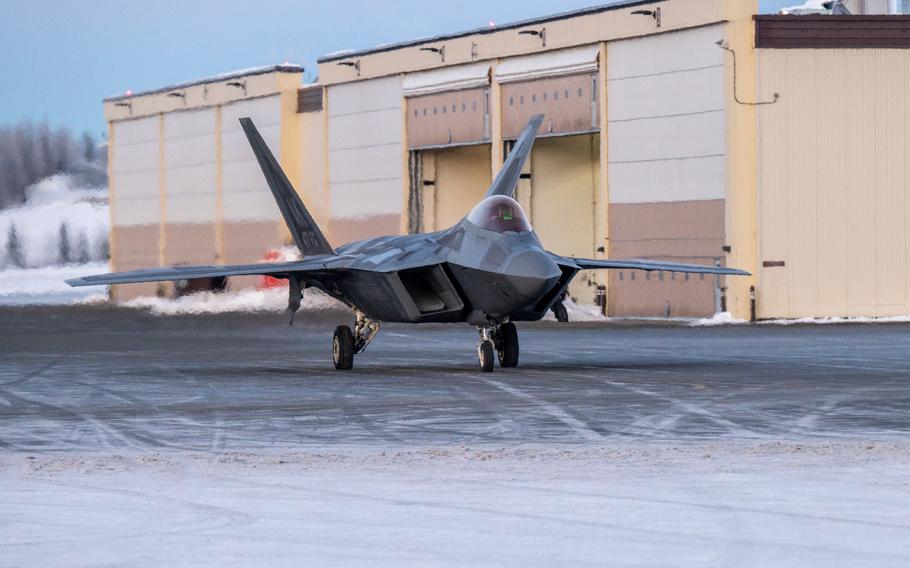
column 602, row 191
column 405, row 167
column 326, row 187
column 496, row 156
column 741, row 216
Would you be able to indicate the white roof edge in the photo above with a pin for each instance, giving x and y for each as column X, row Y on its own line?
column 446, row 79
column 552, row 63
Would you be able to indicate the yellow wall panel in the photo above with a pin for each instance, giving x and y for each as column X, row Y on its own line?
column 833, row 183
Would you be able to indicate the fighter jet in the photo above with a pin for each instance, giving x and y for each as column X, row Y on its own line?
column 490, row 270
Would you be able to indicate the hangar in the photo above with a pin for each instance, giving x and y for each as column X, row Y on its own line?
column 686, row 130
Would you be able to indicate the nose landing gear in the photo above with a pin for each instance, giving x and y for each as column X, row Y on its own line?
column 347, row 343
column 503, row 339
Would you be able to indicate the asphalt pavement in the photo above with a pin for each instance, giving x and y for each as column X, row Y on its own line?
column 100, row 378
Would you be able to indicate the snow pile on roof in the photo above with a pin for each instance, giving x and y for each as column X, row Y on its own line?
column 251, row 301
column 808, row 7
column 60, row 223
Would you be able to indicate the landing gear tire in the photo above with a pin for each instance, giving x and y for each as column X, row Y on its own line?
column 485, row 355
column 559, row 310
column 507, row 346
column 343, row 348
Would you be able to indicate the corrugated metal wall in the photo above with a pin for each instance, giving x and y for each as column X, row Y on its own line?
column 666, row 167
column 833, row 183
column 365, row 158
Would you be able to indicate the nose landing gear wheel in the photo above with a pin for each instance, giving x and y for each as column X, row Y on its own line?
column 507, row 345
column 343, row 348
column 485, row 355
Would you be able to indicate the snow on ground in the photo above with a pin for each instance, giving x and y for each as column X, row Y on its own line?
column 21, row 286
column 705, row 504
column 726, row 318
column 267, row 300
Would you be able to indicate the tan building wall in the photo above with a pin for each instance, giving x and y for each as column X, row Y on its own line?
column 185, row 188
column 833, row 182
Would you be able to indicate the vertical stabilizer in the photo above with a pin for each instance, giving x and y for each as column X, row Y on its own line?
column 507, row 179
column 304, row 230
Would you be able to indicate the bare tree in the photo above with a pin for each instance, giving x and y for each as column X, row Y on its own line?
column 66, row 254
column 14, row 248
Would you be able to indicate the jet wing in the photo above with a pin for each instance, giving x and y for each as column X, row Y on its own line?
column 641, row 264
column 311, row 266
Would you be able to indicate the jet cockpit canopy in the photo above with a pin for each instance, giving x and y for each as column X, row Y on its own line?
column 501, row 214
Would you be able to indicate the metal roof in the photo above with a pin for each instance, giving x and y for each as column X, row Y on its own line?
column 488, row 30
column 284, row 68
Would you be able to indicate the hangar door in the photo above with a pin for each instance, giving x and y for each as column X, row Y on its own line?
column 365, row 159
column 666, row 168
column 135, row 200
column 448, row 128
column 251, row 220
column 560, row 186
column 189, row 163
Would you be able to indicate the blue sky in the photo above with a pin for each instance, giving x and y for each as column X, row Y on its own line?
column 59, row 58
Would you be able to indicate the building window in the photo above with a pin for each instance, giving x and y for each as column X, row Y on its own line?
column 521, row 100
column 424, row 111
column 555, row 95
column 464, row 107
column 444, row 108
column 534, row 98
column 474, row 105
column 435, row 110
column 579, row 93
column 566, row 94
column 415, row 112
column 511, row 101
column 544, row 96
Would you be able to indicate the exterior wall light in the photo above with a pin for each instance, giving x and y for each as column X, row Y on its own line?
column 655, row 13
column 238, row 84
column 127, row 104
column 441, row 51
column 354, row 64
column 541, row 33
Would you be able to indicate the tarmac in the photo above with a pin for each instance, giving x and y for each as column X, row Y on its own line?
column 99, row 378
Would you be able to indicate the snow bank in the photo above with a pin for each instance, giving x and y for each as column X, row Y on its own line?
column 250, row 301
column 786, row 504
column 22, row 286
column 579, row 312
column 53, row 203
column 721, row 318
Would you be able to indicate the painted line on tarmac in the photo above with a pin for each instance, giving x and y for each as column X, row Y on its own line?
column 553, row 410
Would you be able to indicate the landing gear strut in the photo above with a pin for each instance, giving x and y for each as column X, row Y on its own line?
column 347, row 343
column 503, row 339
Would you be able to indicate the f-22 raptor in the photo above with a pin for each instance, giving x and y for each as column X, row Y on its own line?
column 490, row 270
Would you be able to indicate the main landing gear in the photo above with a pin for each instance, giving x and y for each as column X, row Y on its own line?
column 503, row 339
column 347, row 343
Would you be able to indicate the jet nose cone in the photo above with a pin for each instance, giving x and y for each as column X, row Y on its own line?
column 533, row 264
column 533, row 273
